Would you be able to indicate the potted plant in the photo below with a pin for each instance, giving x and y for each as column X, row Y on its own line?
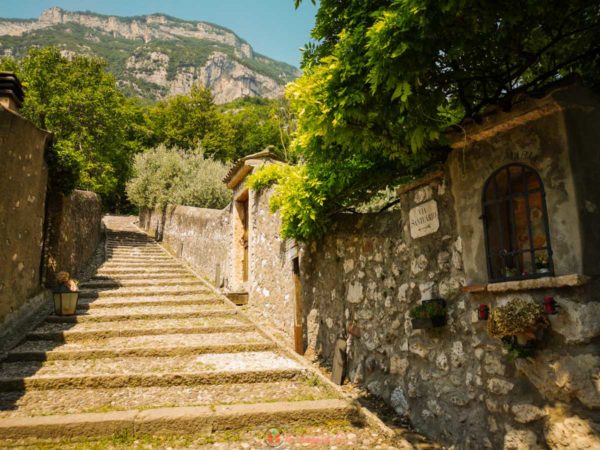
column 541, row 264
column 429, row 314
column 66, row 294
column 519, row 324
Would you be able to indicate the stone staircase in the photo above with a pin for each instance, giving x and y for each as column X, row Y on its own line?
column 154, row 351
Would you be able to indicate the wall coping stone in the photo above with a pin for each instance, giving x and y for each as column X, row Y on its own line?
column 562, row 281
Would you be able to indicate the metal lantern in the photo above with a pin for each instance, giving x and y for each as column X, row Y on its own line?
column 65, row 302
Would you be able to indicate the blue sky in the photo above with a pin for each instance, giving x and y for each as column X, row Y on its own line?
column 273, row 27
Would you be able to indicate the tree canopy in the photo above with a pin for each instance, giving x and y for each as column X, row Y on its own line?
column 98, row 130
column 94, row 124
column 384, row 79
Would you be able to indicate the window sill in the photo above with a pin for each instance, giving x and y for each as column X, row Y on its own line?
column 562, row 281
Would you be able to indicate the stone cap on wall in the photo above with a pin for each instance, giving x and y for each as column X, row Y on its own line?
column 524, row 109
column 244, row 166
column 11, row 91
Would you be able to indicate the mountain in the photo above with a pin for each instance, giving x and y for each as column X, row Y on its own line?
column 155, row 56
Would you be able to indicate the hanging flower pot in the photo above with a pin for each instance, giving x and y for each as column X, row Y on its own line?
column 65, row 294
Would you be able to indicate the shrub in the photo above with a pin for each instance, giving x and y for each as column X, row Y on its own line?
column 164, row 176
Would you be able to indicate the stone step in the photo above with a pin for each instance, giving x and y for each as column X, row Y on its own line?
column 130, row 245
column 142, row 271
column 156, row 352
column 139, row 258
column 151, row 341
column 143, row 324
column 137, row 276
column 152, row 309
column 138, row 253
column 153, row 291
column 148, row 314
column 140, row 264
column 148, row 370
column 76, row 336
column 179, row 300
column 76, row 401
column 140, row 282
column 136, row 250
column 166, row 421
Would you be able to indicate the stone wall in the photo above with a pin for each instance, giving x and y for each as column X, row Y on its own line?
column 271, row 286
column 73, row 232
column 23, row 176
column 199, row 236
column 455, row 383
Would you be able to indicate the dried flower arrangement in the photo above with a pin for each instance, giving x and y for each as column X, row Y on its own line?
column 66, row 283
column 518, row 324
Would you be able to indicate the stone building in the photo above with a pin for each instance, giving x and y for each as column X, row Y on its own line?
column 513, row 214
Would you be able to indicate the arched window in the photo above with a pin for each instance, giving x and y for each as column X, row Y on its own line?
column 517, row 238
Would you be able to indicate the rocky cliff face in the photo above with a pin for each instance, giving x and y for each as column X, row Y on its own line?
column 155, row 56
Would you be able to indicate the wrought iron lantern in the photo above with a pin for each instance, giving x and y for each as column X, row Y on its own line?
column 65, row 301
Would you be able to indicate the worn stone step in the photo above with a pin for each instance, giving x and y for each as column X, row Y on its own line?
column 139, row 276
column 76, row 401
column 147, row 272
column 156, row 352
column 153, row 291
column 138, row 258
column 132, row 244
column 133, row 265
column 150, row 370
column 140, row 250
column 140, row 282
column 198, row 419
column 129, row 244
column 115, row 315
column 151, row 309
column 151, row 341
column 143, row 324
column 76, row 335
column 108, row 302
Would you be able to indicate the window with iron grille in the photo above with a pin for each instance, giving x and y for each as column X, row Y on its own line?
column 517, row 238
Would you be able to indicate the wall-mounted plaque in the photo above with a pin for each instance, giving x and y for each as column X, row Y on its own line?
column 424, row 219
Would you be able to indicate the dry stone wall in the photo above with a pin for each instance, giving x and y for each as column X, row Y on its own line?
column 201, row 237
column 271, row 286
column 73, row 232
column 455, row 383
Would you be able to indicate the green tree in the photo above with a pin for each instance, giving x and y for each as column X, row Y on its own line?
column 384, row 79
column 225, row 133
column 163, row 176
column 92, row 121
column 257, row 123
column 184, row 120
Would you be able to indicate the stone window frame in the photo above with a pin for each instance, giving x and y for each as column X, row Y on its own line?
column 500, row 231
